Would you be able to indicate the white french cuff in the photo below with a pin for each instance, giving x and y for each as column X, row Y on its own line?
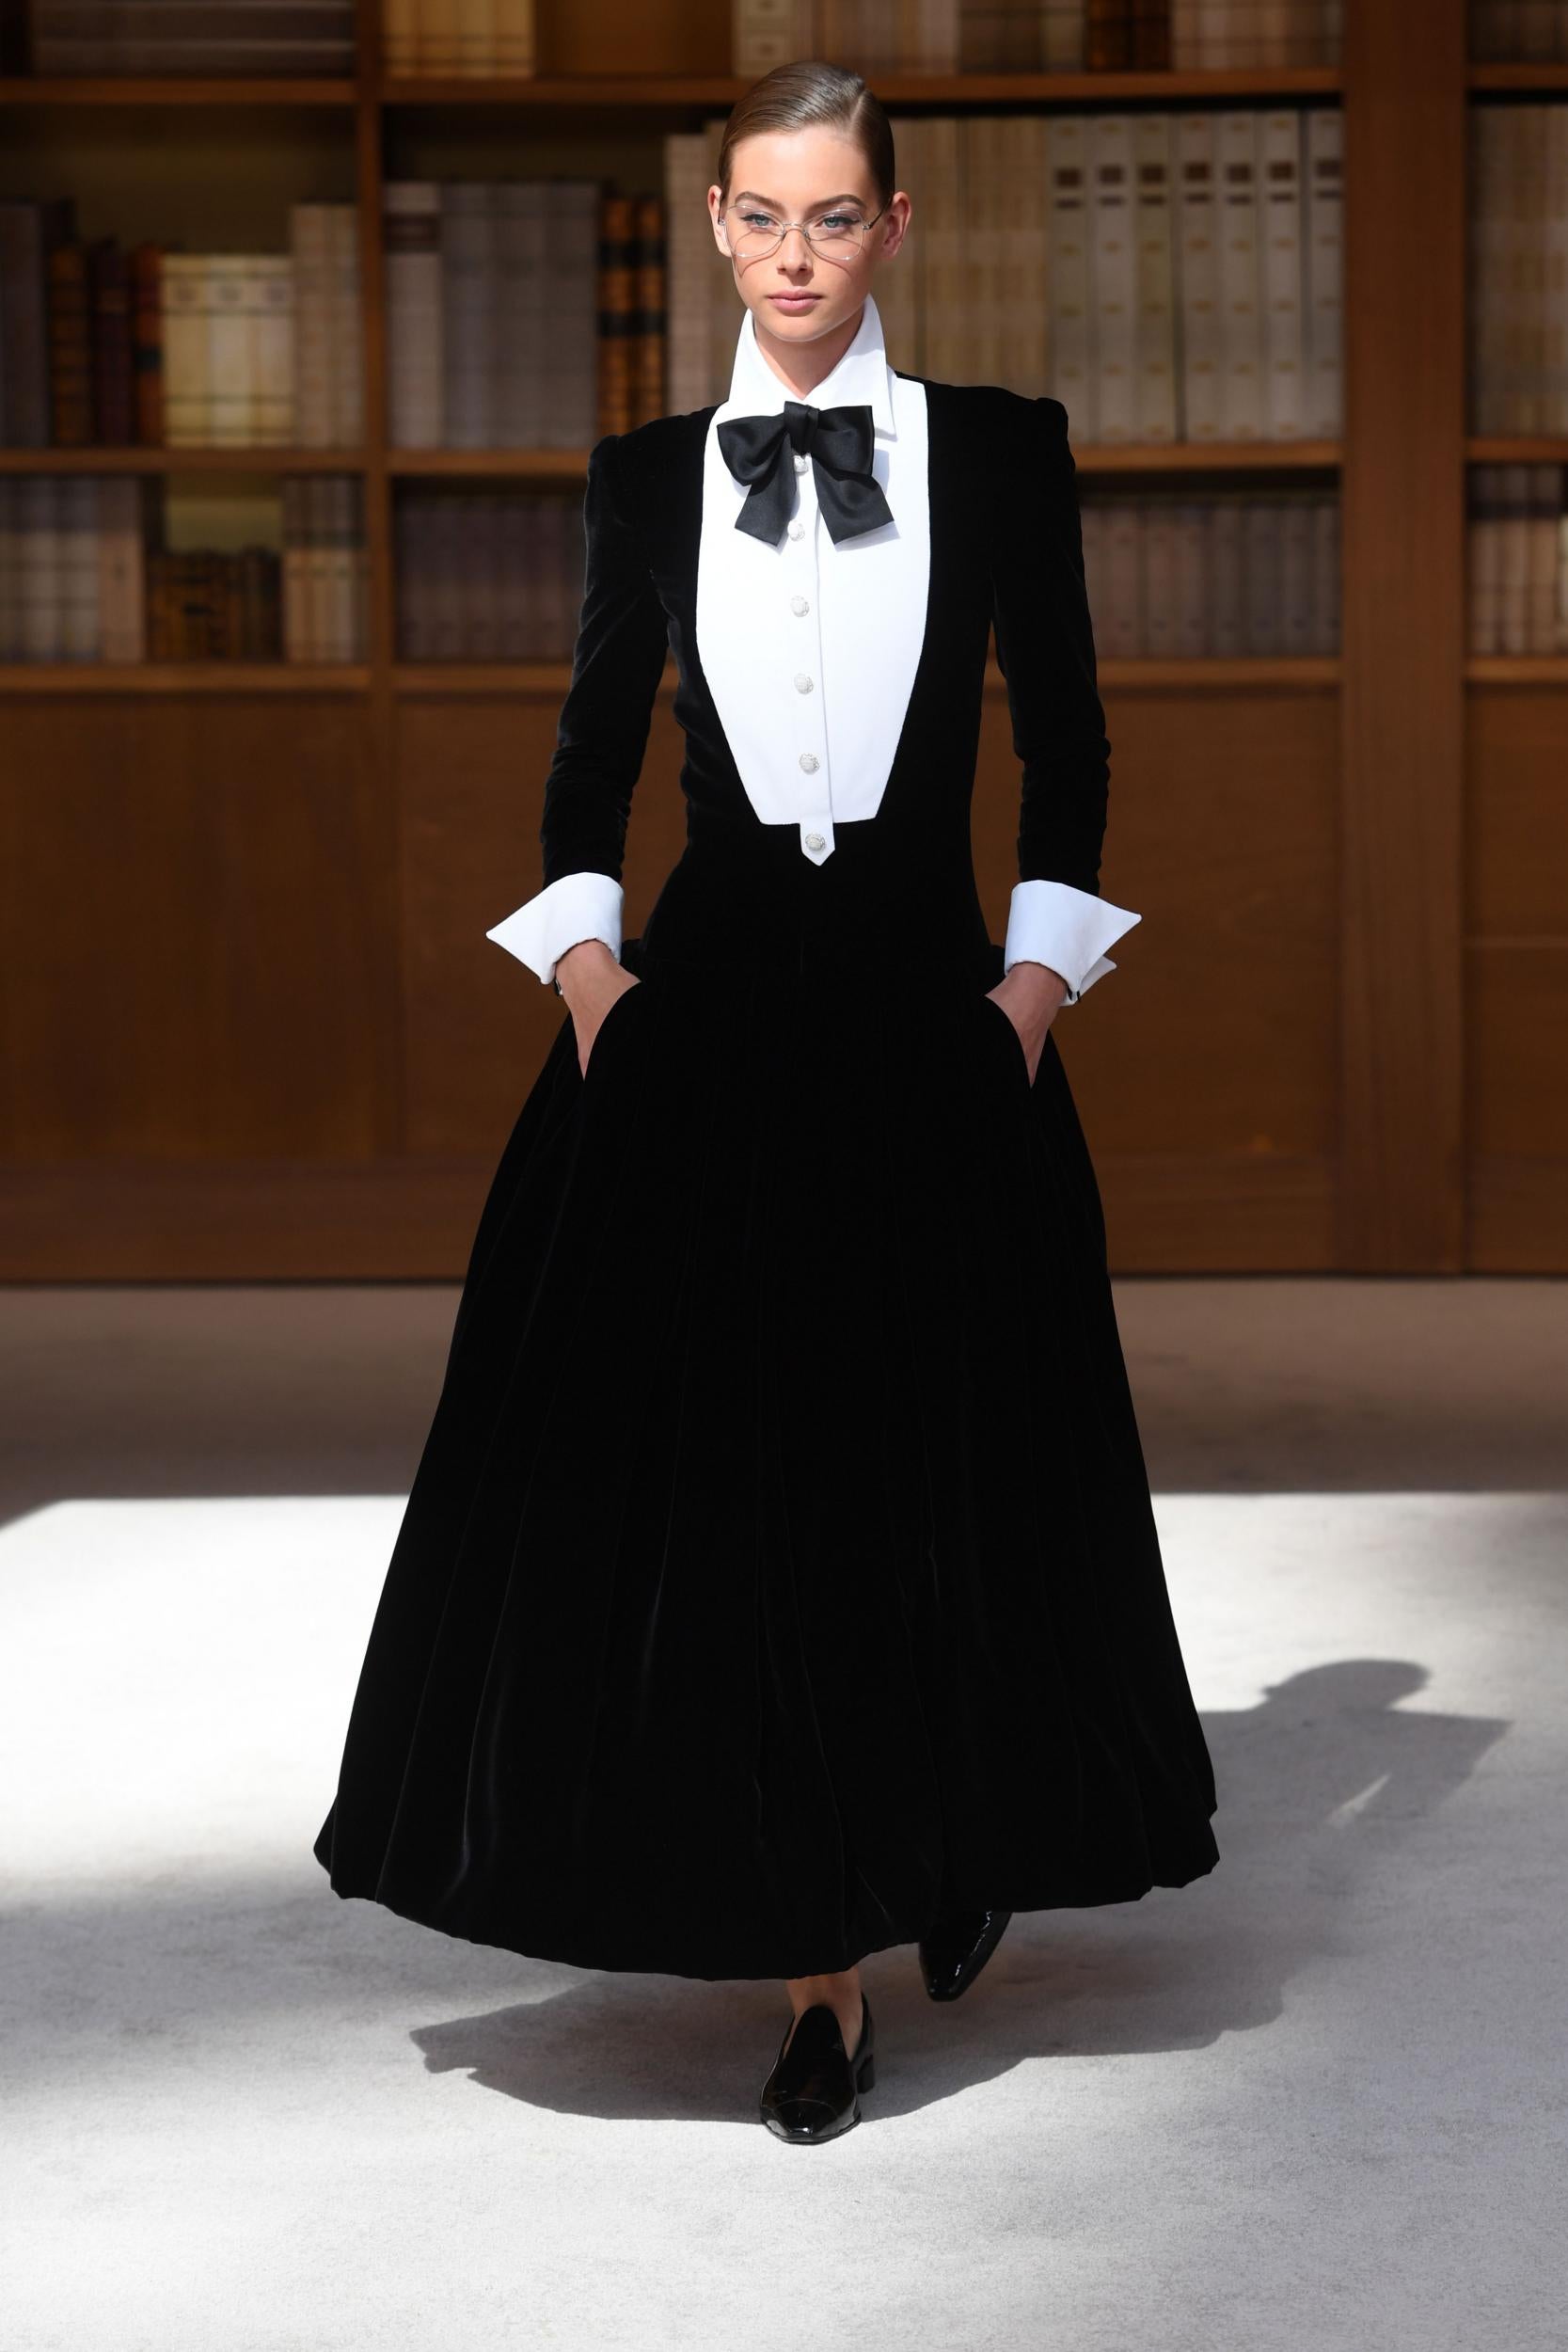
column 1069, row 929
column 573, row 907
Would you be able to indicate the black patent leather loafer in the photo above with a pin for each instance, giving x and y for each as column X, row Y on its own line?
column 953, row 1950
column 811, row 2092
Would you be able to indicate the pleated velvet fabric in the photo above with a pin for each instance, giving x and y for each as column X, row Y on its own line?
column 780, row 1567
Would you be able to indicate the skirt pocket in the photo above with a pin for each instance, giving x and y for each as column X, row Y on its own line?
column 1016, row 1055
column 607, row 1034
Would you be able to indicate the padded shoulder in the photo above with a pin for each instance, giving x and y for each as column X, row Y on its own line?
column 996, row 407
column 661, row 439
column 664, row 450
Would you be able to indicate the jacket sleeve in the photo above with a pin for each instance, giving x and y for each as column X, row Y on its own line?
column 1045, row 650
column 600, row 740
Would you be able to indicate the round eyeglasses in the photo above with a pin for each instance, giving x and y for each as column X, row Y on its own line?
column 836, row 233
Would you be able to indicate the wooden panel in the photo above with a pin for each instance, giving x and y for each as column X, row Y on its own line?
column 413, row 1218
column 301, row 1220
column 1402, row 554
column 1516, row 814
column 470, row 783
column 1518, row 1067
column 1516, row 880
column 197, row 961
column 1260, row 1214
column 1517, row 1220
column 1217, row 1033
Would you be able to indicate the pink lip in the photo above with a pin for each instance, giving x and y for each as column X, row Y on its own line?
column 794, row 302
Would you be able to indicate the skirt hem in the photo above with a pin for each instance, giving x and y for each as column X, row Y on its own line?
column 749, row 1966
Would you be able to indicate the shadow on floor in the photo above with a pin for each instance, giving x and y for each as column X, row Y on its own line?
column 1318, row 1786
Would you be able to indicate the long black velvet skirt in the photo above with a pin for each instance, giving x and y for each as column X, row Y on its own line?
column 780, row 1567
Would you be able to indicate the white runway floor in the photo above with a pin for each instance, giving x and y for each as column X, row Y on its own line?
column 1316, row 2100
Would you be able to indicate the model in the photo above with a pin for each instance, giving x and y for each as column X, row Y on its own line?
column 779, row 1581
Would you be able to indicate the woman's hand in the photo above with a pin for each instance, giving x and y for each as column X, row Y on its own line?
column 591, row 980
column 1031, row 995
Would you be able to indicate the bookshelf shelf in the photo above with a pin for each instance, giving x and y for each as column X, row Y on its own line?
column 656, row 94
column 1305, row 675
column 245, row 457
column 571, row 465
column 64, row 89
column 548, row 465
column 1275, row 673
column 183, row 677
column 1541, row 78
column 1185, row 457
column 1501, row 669
column 1517, row 449
column 549, row 679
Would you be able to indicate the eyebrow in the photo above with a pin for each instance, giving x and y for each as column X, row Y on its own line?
column 844, row 195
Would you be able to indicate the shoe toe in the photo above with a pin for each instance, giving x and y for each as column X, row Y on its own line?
column 806, row 2119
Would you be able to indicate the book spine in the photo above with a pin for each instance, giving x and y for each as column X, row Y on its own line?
column 1154, row 376
column 1279, row 133
column 269, row 301
column 416, row 360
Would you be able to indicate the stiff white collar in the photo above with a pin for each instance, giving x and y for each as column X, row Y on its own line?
column 862, row 374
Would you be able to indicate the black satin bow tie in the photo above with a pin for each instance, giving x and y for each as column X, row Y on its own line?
column 761, row 452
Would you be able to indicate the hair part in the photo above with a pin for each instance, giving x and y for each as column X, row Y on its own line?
column 809, row 94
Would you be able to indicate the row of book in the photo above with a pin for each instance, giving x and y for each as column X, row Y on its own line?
column 486, row 575
column 1517, row 559
column 459, row 36
column 1518, row 32
column 101, row 346
column 488, row 37
column 1169, row 277
column 520, row 313
column 1173, row 578
column 86, row 575
column 1517, row 319
column 215, row 37
column 1034, row 35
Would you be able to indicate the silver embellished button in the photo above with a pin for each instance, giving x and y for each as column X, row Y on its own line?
column 808, row 761
column 800, row 463
column 814, row 840
column 802, row 683
column 797, row 528
column 799, row 604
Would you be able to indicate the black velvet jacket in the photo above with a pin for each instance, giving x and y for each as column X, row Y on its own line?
column 1006, row 548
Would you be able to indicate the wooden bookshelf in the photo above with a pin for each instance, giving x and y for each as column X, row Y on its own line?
column 256, row 1028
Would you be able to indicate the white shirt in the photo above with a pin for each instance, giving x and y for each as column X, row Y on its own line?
column 809, row 651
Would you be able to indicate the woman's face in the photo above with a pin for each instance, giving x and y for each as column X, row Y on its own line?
column 798, row 294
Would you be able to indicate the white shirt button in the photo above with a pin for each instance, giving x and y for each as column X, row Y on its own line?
column 799, row 604
column 808, row 761
column 802, row 683
column 797, row 528
column 814, row 840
